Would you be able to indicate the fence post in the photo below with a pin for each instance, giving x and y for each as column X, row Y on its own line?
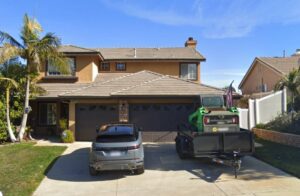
column 284, row 100
column 252, row 113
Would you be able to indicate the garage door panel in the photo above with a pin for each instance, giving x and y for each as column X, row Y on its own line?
column 91, row 116
column 160, row 117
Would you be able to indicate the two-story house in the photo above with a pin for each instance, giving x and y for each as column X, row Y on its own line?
column 265, row 72
column 155, row 88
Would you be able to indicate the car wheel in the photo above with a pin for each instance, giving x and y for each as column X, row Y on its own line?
column 139, row 170
column 93, row 171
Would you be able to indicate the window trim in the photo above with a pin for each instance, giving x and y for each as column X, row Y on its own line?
column 197, row 72
column 39, row 118
column 71, row 75
column 103, row 62
column 119, row 69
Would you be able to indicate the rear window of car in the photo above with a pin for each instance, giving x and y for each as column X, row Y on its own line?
column 120, row 133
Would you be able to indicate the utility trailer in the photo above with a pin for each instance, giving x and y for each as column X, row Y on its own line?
column 213, row 132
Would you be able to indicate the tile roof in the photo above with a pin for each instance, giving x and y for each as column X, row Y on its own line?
column 184, row 53
column 75, row 49
column 55, row 89
column 283, row 65
column 143, row 83
column 180, row 53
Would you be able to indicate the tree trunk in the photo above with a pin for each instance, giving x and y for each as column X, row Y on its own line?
column 25, row 114
column 9, row 129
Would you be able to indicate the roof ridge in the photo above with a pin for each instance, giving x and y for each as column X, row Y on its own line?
column 138, row 85
column 178, row 47
column 81, row 47
column 100, row 82
column 273, row 67
column 162, row 76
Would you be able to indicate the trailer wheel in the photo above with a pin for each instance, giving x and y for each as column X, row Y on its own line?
column 180, row 148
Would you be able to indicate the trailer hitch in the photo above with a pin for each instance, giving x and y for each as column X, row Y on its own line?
column 232, row 161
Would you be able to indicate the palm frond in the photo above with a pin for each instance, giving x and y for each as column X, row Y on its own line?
column 47, row 50
column 6, row 38
column 9, row 52
column 291, row 81
column 30, row 31
column 8, row 82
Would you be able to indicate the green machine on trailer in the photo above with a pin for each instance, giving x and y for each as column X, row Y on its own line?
column 214, row 132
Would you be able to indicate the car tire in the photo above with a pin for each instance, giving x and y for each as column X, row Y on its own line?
column 93, row 171
column 139, row 170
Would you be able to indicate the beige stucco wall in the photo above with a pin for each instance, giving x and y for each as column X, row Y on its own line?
column 84, row 68
column 164, row 67
column 259, row 74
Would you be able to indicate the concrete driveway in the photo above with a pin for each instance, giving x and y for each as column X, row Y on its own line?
column 165, row 174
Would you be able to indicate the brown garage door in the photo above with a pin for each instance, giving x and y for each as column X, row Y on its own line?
column 91, row 116
column 160, row 117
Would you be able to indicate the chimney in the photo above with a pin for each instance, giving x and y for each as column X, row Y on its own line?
column 297, row 53
column 191, row 43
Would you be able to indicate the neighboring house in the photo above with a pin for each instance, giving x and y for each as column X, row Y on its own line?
column 265, row 72
column 155, row 88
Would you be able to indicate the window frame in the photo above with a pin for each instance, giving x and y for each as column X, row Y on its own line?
column 101, row 63
column 120, row 69
column 180, row 71
column 39, row 114
column 63, row 75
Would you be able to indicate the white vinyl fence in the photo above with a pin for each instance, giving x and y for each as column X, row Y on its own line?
column 263, row 110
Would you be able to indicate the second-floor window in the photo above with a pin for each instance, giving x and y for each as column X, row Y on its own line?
column 120, row 66
column 104, row 66
column 188, row 71
column 54, row 71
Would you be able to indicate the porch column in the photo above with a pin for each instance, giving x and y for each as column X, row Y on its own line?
column 72, row 116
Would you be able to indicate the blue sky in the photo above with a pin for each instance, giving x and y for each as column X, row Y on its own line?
column 230, row 33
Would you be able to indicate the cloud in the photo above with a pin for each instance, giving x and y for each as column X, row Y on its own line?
column 215, row 18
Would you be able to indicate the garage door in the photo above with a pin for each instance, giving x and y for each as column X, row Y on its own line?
column 91, row 116
column 160, row 117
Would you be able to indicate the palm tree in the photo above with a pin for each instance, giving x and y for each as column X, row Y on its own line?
column 35, row 50
column 8, row 83
column 292, row 82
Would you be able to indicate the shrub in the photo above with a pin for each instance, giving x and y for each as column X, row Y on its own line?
column 63, row 124
column 67, row 136
column 243, row 102
column 284, row 123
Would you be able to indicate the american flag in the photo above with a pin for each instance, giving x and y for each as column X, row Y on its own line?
column 229, row 102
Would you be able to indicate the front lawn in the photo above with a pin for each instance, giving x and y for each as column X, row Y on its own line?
column 286, row 158
column 23, row 166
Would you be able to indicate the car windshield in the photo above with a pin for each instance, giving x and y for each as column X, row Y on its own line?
column 117, row 133
column 212, row 102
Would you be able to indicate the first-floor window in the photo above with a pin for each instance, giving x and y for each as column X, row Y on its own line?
column 47, row 113
column 188, row 71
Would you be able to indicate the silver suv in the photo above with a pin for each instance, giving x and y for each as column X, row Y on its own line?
column 117, row 147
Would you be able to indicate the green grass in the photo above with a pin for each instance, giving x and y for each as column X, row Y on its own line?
column 286, row 158
column 23, row 166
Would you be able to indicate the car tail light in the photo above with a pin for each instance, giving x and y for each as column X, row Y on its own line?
column 133, row 147
column 206, row 120
column 235, row 120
